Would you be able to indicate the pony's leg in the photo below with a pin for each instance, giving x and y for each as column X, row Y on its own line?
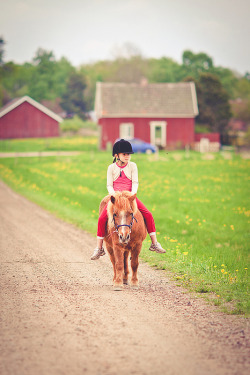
column 126, row 270
column 119, row 269
column 112, row 258
column 134, row 265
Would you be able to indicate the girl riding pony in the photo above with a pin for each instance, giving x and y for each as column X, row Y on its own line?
column 123, row 175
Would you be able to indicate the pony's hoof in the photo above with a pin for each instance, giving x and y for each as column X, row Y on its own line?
column 118, row 287
column 135, row 287
column 125, row 282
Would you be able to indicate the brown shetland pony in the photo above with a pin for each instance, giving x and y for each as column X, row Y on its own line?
column 125, row 233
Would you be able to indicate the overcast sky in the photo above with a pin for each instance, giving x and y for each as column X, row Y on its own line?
column 90, row 30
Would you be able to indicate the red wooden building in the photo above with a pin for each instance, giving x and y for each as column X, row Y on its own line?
column 26, row 118
column 162, row 114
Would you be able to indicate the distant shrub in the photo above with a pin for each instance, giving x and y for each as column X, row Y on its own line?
column 75, row 124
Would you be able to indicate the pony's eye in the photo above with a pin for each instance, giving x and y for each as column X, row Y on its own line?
column 114, row 215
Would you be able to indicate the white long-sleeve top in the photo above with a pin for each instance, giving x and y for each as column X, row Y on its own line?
column 130, row 171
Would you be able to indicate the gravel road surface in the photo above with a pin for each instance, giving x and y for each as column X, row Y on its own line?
column 60, row 315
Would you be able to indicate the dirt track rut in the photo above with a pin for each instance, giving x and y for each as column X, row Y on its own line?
column 60, row 315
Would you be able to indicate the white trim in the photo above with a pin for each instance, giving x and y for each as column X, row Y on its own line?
column 194, row 98
column 163, row 125
column 31, row 101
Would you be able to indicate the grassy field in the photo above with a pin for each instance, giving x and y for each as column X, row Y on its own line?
column 49, row 144
column 200, row 208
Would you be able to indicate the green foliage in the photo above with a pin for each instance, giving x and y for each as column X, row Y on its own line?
column 164, row 70
column 195, row 64
column 2, row 43
column 45, row 78
column 49, row 77
column 242, row 88
column 75, row 124
column 201, row 128
column 213, row 103
column 73, row 97
column 200, row 208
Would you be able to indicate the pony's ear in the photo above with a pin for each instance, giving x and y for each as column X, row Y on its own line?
column 132, row 198
column 112, row 198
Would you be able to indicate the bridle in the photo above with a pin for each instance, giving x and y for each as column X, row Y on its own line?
column 124, row 225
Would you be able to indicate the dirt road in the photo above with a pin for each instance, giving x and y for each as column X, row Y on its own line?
column 60, row 315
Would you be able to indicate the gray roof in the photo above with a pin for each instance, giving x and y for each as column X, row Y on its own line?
column 146, row 100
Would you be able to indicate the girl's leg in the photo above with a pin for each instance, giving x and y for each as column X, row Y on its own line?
column 150, row 224
column 99, row 251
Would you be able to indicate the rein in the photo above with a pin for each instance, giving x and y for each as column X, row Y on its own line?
column 124, row 225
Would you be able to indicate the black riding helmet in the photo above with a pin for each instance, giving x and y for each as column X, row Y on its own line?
column 122, row 147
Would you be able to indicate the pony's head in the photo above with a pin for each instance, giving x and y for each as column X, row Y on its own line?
column 121, row 210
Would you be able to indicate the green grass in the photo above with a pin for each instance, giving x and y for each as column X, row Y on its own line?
column 49, row 144
column 200, row 207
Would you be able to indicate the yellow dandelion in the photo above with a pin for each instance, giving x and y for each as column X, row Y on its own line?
column 185, row 253
column 222, row 271
column 177, row 221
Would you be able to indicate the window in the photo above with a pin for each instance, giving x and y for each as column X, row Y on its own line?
column 127, row 130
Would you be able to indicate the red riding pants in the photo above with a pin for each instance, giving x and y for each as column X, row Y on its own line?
column 150, row 224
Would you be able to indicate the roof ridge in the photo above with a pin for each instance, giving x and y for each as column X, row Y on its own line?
column 14, row 103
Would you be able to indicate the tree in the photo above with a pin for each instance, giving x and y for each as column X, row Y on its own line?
column 164, row 70
column 49, row 76
column 196, row 63
column 73, row 99
column 41, row 85
column 2, row 44
column 214, row 107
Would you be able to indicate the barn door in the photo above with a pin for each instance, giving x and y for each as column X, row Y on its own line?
column 158, row 133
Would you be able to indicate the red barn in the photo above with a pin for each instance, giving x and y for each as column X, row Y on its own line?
column 26, row 118
column 162, row 114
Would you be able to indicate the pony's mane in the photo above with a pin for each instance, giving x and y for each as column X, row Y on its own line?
column 121, row 203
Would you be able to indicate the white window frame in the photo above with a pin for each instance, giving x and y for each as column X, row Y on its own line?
column 163, row 125
column 126, row 130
